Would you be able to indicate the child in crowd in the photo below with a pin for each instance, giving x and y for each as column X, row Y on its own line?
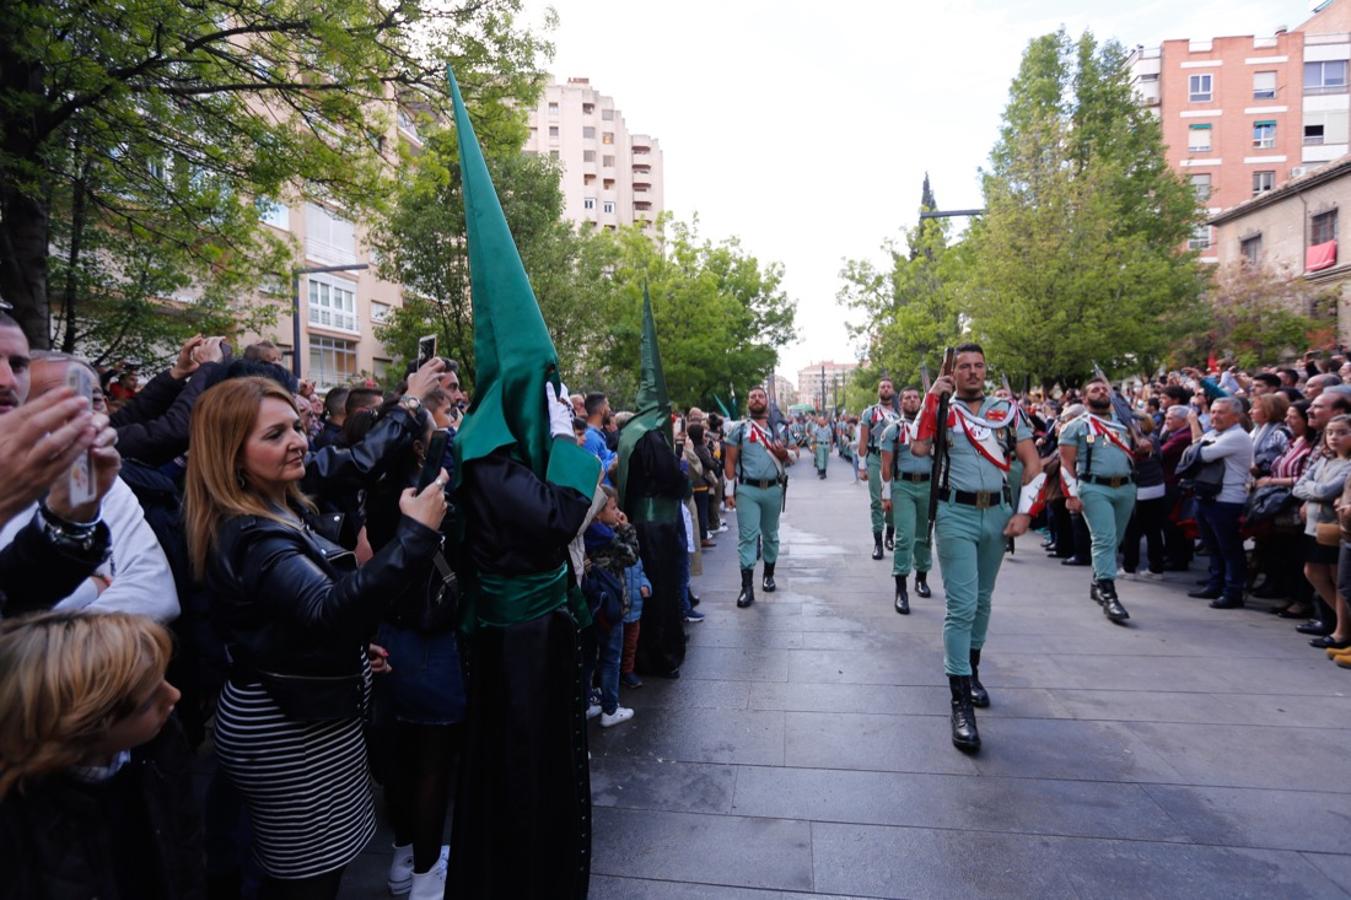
column 637, row 588
column 611, row 548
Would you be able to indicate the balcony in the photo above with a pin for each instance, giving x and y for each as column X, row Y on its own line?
column 640, row 186
column 641, row 149
column 641, row 170
column 642, row 205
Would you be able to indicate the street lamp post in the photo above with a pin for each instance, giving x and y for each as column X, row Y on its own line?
column 295, row 303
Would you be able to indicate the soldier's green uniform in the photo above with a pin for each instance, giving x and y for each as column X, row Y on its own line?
column 821, row 439
column 1106, row 484
column 970, row 535
column 909, row 501
column 877, row 417
column 759, row 492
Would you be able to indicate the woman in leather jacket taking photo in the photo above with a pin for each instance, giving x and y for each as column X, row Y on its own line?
column 296, row 615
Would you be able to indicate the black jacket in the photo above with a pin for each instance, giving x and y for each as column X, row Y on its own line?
column 36, row 573
column 135, row 837
column 289, row 601
column 159, row 438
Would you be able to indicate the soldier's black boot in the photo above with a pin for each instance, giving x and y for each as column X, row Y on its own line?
column 747, row 595
column 902, row 598
column 964, row 733
column 891, row 538
column 922, row 585
column 1095, row 591
column 980, row 698
column 768, row 581
column 1111, row 605
column 877, row 545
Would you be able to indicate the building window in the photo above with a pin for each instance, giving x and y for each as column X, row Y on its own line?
column 609, row 206
column 406, row 123
column 588, row 179
column 608, row 184
column 588, row 156
column 1201, row 185
column 1328, row 77
column 553, row 108
column 379, row 311
column 1199, row 87
column 553, row 154
column 1251, row 249
column 1198, row 137
column 1264, row 135
column 607, row 115
column 589, row 132
column 333, row 303
column 1200, row 239
column 1313, row 135
column 1263, row 182
column 270, row 212
column 332, row 362
column 1149, row 77
column 1264, row 85
column 588, row 108
column 553, row 131
column 607, row 162
column 589, row 203
column 328, row 238
column 1323, row 227
column 607, row 137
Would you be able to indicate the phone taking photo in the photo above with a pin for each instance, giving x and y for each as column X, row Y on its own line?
column 81, row 476
column 426, row 349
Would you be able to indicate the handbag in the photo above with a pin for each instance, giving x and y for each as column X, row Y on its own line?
column 1328, row 534
column 1267, row 503
column 1202, row 479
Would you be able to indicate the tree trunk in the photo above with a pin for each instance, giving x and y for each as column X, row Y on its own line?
column 79, row 204
column 23, row 263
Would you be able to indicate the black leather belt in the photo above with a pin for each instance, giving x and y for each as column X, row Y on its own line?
column 915, row 476
column 763, row 484
column 1115, row 481
column 978, row 499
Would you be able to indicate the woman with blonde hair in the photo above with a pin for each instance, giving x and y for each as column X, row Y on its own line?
column 296, row 615
column 95, row 792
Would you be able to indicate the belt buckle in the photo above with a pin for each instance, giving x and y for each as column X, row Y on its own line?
column 983, row 499
column 1117, row 482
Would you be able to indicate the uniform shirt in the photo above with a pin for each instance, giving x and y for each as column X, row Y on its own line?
column 968, row 469
column 754, row 462
column 877, row 417
column 1109, row 460
column 821, row 434
column 904, row 460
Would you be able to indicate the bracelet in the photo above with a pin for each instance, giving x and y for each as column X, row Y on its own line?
column 75, row 530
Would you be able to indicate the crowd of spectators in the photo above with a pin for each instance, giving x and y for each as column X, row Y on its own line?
column 263, row 590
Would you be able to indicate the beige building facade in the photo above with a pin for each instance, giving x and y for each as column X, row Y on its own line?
column 611, row 175
column 832, row 375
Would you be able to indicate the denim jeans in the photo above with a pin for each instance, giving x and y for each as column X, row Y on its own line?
column 611, row 651
column 1219, row 530
column 683, row 569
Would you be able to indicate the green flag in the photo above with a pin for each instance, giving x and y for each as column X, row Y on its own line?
column 654, row 408
column 513, row 355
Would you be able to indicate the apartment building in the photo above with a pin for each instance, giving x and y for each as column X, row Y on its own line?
column 1242, row 115
column 832, row 375
column 611, row 176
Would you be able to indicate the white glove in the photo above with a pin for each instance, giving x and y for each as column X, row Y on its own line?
column 863, row 462
column 886, row 489
column 560, row 411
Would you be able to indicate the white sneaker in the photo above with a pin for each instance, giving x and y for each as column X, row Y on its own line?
column 400, row 878
column 593, row 710
column 430, row 885
column 722, row 529
column 621, row 714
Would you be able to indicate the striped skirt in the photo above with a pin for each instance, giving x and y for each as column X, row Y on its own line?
column 305, row 783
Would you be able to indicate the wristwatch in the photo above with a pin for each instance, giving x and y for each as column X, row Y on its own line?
column 410, row 403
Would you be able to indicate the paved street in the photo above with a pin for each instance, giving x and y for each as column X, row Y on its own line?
column 805, row 749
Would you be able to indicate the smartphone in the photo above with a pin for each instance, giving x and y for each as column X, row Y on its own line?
column 434, row 462
column 426, row 349
column 81, row 474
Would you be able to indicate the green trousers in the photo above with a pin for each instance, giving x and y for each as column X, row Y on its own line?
column 970, row 549
column 910, row 512
column 822, row 456
column 1107, row 511
column 757, row 515
column 879, row 518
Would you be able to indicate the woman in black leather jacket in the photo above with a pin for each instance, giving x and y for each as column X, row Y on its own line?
column 296, row 614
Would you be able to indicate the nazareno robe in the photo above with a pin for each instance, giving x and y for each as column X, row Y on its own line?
column 655, row 488
column 522, row 825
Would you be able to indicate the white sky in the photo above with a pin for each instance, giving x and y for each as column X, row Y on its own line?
column 805, row 128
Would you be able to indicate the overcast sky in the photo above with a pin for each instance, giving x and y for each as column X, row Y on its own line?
column 805, row 129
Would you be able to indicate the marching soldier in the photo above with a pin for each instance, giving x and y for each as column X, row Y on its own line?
column 754, row 460
column 975, row 514
column 1096, row 460
column 821, row 435
column 872, row 423
column 905, row 497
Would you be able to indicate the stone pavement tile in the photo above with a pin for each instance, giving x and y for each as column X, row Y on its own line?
column 637, row 783
column 920, row 863
column 862, row 667
column 719, row 850
column 1337, row 868
column 887, row 699
column 760, row 616
column 1267, row 819
column 667, row 694
column 1287, row 710
column 737, row 663
column 1062, row 748
column 1019, row 805
column 876, row 742
column 606, row 887
column 745, row 737
column 1310, row 759
column 747, row 638
column 892, row 642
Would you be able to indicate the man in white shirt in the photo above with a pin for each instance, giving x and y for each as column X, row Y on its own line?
column 1219, row 516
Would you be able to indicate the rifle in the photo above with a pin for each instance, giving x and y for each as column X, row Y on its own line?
column 1121, row 406
column 775, row 420
column 940, row 442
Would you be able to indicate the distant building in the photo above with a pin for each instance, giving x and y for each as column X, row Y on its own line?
column 782, row 392
column 611, row 176
column 834, row 376
column 1243, row 115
